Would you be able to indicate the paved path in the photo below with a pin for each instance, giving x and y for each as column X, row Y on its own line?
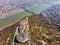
column 22, row 35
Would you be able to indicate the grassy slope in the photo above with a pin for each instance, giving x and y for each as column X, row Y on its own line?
column 12, row 19
column 37, row 29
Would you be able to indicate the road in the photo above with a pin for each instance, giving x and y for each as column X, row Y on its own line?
column 22, row 35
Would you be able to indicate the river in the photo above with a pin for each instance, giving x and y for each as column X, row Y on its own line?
column 18, row 16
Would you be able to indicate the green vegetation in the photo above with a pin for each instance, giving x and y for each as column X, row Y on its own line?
column 40, row 31
column 12, row 19
column 22, row 44
column 43, row 29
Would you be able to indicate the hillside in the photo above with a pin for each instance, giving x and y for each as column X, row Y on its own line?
column 41, row 28
column 53, row 13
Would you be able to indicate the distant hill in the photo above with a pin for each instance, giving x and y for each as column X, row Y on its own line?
column 52, row 13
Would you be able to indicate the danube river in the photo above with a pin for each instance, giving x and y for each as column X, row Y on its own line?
column 18, row 16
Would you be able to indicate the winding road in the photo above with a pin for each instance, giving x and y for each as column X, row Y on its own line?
column 22, row 35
